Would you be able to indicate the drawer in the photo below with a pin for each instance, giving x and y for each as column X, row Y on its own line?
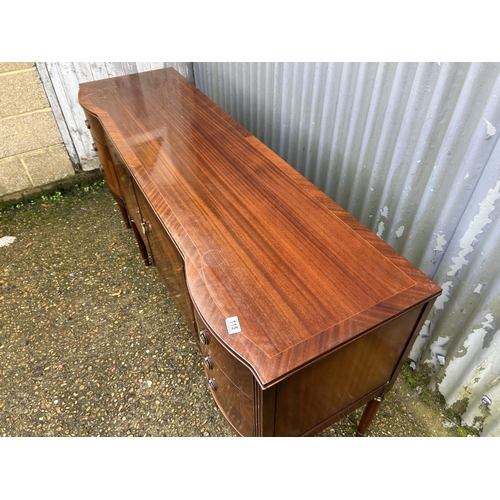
column 211, row 348
column 236, row 406
column 95, row 128
column 126, row 187
column 109, row 170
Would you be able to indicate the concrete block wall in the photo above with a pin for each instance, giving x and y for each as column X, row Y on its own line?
column 32, row 152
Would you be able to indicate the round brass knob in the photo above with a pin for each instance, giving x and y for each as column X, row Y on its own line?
column 208, row 362
column 211, row 382
column 204, row 337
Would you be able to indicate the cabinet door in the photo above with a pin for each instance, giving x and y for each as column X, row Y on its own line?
column 166, row 258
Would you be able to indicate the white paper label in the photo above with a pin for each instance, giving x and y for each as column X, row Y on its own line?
column 233, row 325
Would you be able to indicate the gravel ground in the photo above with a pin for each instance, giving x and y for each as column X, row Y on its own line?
column 92, row 345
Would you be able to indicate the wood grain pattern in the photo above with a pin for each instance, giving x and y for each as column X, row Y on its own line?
column 323, row 389
column 258, row 241
column 128, row 195
column 234, row 370
column 110, row 175
column 166, row 259
column 236, row 407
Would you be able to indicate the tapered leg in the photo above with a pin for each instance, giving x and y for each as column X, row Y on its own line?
column 123, row 211
column 368, row 414
column 142, row 246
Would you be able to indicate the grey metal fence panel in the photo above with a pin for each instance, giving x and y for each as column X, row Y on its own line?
column 411, row 150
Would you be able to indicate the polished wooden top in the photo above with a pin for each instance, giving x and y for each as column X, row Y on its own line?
column 259, row 241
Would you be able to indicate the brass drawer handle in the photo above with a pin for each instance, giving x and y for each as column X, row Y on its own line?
column 208, row 362
column 212, row 384
column 87, row 124
column 94, row 147
column 204, row 337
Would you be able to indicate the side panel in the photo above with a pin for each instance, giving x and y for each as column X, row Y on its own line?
column 320, row 391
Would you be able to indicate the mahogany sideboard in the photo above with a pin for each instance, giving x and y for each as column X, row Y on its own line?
column 300, row 312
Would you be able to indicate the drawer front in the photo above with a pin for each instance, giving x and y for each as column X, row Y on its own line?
column 104, row 156
column 95, row 128
column 232, row 368
column 127, row 189
column 236, row 406
column 109, row 170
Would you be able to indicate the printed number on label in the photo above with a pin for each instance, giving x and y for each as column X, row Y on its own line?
column 233, row 324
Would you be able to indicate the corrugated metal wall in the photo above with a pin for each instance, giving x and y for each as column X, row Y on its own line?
column 61, row 81
column 411, row 150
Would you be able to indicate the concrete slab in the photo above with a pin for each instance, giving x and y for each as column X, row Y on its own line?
column 15, row 66
column 21, row 93
column 48, row 165
column 27, row 133
column 13, row 176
